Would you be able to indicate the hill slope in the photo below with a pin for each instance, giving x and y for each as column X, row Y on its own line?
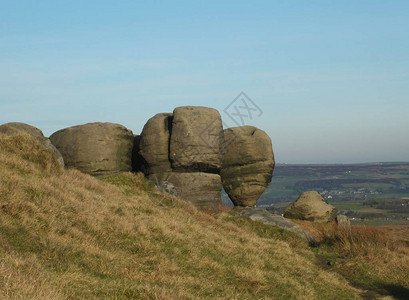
column 64, row 234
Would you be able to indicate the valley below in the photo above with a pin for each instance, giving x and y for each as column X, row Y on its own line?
column 371, row 193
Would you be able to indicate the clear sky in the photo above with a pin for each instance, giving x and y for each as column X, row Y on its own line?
column 330, row 77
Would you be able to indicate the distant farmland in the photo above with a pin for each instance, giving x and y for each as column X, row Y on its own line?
column 339, row 182
column 376, row 191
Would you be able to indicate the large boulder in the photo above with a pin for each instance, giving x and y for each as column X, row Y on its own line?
column 96, row 148
column 201, row 189
column 196, row 139
column 310, row 206
column 248, row 164
column 17, row 127
column 154, row 144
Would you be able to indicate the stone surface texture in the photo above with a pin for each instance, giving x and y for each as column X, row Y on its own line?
column 248, row 164
column 201, row 189
column 96, row 148
column 343, row 220
column 196, row 140
column 154, row 144
column 310, row 206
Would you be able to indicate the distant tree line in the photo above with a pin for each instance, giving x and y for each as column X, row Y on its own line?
column 396, row 206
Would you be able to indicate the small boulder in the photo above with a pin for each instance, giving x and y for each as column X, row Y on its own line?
column 248, row 164
column 196, row 140
column 16, row 128
column 310, row 206
column 96, row 148
column 343, row 220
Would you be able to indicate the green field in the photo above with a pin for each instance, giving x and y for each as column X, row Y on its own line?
column 338, row 182
column 347, row 187
column 364, row 212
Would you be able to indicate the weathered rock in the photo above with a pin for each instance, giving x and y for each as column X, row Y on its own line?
column 201, row 189
column 310, row 206
column 263, row 216
column 154, row 144
column 248, row 164
column 48, row 145
column 16, row 127
column 196, row 139
column 167, row 187
column 343, row 220
column 181, row 153
column 96, row 148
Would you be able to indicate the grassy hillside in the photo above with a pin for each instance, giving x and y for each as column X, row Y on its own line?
column 67, row 235
column 375, row 259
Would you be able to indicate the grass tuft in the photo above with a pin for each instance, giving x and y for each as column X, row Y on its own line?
column 373, row 258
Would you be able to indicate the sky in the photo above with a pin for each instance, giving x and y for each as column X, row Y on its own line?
column 327, row 80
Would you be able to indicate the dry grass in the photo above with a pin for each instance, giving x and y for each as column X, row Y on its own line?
column 373, row 257
column 67, row 235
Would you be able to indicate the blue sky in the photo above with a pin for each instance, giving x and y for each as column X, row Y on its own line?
column 331, row 77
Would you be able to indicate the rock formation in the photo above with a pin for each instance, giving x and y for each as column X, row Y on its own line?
column 310, row 206
column 248, row 164
column 96, row 148
column 183, row 150
column 16, row 127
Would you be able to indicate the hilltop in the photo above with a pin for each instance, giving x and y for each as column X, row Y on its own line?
column 65, row 234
